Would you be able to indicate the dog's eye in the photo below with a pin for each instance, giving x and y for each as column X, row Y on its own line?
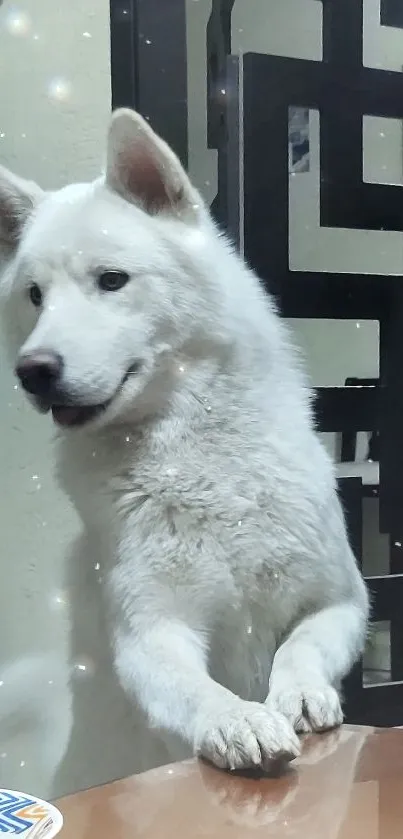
column 112, row 280
column 35, row 295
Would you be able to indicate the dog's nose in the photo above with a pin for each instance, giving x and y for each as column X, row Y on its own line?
column 39, row 371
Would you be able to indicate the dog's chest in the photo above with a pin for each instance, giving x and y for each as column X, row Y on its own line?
column 188, row 529
column 112, row 480
column 212, row 557
column 99, row 475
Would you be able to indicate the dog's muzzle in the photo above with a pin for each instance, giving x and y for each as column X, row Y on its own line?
column 41, row 373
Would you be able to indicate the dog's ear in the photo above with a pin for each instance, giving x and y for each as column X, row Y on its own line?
column 143, row 169
column 18, row 198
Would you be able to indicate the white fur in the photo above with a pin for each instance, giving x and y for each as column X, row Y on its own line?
column 234, row 601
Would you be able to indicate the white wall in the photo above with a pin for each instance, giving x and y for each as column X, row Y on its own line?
column 54, row 104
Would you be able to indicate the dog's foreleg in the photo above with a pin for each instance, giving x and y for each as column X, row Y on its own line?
column 310, row 664
column 163, row 666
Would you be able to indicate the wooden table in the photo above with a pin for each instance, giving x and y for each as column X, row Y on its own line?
column 347, row 785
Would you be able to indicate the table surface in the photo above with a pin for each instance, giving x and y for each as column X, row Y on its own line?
column 347, row 785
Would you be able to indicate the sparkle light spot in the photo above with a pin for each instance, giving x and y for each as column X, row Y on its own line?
column 18, row 23
column 181, row 368
column 358, row 325
column 398, row 544
column 58, row 601
column 22, row 764
column 15, row 387
column 223, row 91
column 87, row 35
column 249, row 630
column 60, row 90
column 2, row 134
column 97, row 566
column 84, row 667
column 208, row 408
column 128, row 439
column 148, row 41
column 1, row 684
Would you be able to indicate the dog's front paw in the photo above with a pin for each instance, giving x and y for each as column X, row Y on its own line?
column 245, row 735
column 308, row 707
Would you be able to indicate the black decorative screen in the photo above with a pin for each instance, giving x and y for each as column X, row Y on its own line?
column 343, row 91
column 248, row 122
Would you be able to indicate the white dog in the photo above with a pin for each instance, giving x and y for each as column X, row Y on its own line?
column 187, row 445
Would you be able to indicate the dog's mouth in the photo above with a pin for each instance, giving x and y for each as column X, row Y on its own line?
column 73, row 415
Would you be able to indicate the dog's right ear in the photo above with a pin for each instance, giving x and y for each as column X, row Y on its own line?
column 143, row 169
column 18, row 199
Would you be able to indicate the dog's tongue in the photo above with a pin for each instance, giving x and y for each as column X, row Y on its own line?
column 66, row 415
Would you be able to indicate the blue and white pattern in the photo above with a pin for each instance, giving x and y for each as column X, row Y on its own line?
column 14, row 812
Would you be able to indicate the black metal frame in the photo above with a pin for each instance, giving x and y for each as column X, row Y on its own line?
column 370, row 421
column 392, row 13
column 149, row 65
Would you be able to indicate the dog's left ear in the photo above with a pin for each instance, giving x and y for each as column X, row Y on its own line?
column 18, row 199
column 142, row 168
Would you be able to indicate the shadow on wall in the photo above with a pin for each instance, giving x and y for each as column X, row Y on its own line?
column 67, row 728
column 104, row 743
column 35, row 721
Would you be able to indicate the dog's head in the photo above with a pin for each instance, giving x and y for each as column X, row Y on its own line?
column 106, row 284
